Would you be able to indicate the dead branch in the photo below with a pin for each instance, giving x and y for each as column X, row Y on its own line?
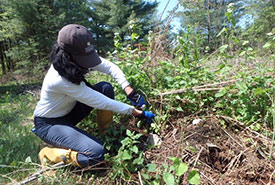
column 210, row 180
column 242, row 125
column 173, row 92
column 140, row 180
column 197, row 158
column 206, row 87
column 233, row 163
column 7, row 177
column 217, row 84
column 36, row 175
column 231, row 137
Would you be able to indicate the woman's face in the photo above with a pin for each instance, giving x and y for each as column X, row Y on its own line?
column 84, row 70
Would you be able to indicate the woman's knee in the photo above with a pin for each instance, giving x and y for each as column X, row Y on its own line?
column 105, row 88
column 91, row 158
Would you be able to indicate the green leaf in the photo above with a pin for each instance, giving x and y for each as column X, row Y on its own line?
column 245, row 42
column 194, row 177
column 241, row 86
column 137, row 136
column 250, row 49
column 181, row 169
column 258, row 91
column 151, row 167
column 128, row 133
column 237, row 41
column 126, row 155
column 169, row 78
column 168, row 178
column 156, row 182
column 134, row 36
column 165, row 165
column 228, row 14
column 223, row 48
column 14, row 163
column 145, row 176
column 242, row 53
column 267, row 45
column 193, row 149
column 223, row 30
column 28, row 159
column 221, row 93
column 179, row 109
column 172, row 158
column 134, row 149
column 138, row 161
column 126, row 141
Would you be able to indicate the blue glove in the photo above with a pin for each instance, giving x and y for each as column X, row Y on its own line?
column 136, row 99
column 148, row 116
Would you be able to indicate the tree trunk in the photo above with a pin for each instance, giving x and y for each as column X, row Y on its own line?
column 209, row 25
column 2, row 58
column 3, row 67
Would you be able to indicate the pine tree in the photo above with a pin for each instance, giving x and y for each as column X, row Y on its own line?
column 207, row 17
column 114, row 16
column 29, row 29
column 262, row 21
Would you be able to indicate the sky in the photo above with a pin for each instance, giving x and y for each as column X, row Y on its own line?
column 172, row 4
column 176, row 21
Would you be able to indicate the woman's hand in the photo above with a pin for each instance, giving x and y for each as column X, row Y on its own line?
column 146, row 115
column 135, row 98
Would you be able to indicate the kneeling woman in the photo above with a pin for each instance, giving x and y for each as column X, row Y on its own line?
column 66, row 98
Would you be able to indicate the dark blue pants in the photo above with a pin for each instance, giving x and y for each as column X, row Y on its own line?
column 61, row 132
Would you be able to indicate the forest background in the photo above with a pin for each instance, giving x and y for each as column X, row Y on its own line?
column 215, row 74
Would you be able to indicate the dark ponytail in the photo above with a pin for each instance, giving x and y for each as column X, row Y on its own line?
column 63, row 64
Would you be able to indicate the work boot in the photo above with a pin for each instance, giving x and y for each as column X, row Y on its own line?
column 104, row 120
column 56, row 155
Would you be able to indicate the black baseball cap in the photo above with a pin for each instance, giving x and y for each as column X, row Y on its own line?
column 78, row 41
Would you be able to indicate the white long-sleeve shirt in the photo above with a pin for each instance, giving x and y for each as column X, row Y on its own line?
column 59, row 96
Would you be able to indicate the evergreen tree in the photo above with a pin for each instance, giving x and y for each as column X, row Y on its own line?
column 207, row 17
column 262, row 21
column 115, row 16
column 29, row 28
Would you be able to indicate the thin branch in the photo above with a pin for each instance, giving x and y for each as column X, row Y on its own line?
column 185, row 90
column 210, row 180
column 36, row 175
column 8, row 166
column 5, row 176
column 217, row 84
column 173, row 92
column 232, row 137
column 139, row 177
column 206, row 87
column 163, row 11
column 197, row 158
column 242, row 125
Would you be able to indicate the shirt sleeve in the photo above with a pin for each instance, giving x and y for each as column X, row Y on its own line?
column 92, row 98
column 112, row 69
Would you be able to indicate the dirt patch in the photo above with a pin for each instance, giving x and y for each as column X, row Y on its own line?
column 221, row 154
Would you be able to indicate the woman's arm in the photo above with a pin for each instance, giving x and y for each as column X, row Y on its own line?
column 112, row 69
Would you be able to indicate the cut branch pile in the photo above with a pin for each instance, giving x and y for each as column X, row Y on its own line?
column 221, row 155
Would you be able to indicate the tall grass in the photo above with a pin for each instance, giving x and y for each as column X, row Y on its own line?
column 17, row 142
